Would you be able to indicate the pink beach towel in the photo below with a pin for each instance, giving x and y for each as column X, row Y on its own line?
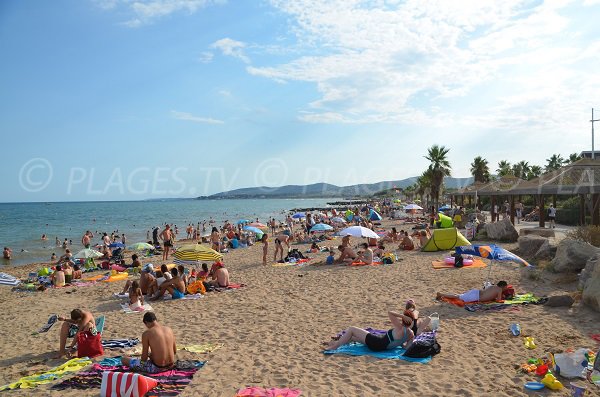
column 272, row 392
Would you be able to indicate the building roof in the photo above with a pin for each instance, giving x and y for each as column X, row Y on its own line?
column 498, row 187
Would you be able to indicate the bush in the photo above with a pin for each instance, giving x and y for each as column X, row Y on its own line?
column 590, row 234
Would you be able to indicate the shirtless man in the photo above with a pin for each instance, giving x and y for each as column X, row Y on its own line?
column 493, row 293
column 7, row 253
column 407, row 243
column 175, row 286
column 220, row 275
column 346, row 241
column 80, row 321
column 366, row 255
column 85, row 240
column 347, row 254
column 167, row 237
column 158, row 348
column 148, row 283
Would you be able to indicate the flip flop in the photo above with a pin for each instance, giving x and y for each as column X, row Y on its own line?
column 515, row 329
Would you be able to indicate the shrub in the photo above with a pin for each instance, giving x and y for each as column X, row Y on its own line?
column 590, row 234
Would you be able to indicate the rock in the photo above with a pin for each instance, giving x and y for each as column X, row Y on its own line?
column 587, row 272
column 503, row 231
column 529, row 245
column 591, row 291
column 560, row 301
column 572, row 256
column 538, row 231
column 546, row 251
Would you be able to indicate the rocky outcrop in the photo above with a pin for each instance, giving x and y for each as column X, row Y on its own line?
column 502, row 231
column 546, row 251
column 591, row 289
column 538, row 231
column 530, row 245
column 572, row 256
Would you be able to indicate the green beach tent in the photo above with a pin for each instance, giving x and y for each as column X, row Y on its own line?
column 445, row 239
column 445, row 221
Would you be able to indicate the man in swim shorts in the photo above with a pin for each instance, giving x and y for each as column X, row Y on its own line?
column 80, row 321
column 167, row 237
column 158, row 348
column 220, row 275
column 175, row 286
column 492, row 293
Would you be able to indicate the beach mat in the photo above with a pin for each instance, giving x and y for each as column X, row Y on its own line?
column 358, row 349
column 518, row 300
column 8, row 280
column 120, row 343
column 272, row 392
column 40, row 378
column 170, row 383
column 141, row 309
column 364, row 264
column 477, row 263
column 202, row 348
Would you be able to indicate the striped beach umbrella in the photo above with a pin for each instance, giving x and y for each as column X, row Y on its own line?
column 194, row 253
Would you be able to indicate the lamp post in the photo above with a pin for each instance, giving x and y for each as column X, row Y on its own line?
column 593, row 121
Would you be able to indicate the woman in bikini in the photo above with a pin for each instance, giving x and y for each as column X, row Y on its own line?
column 215, row 239
column 400, row 335
column 265, row 241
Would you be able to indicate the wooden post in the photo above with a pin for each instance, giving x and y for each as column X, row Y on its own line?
column 493, row 202
column 512, row 209
column 542, row 210
column 554, row 200
column 462, row 200
column 470, row 201
column 451, row 200
column 582, row 210
column 596, row 209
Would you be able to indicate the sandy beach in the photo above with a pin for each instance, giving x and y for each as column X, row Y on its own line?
column 272, row 329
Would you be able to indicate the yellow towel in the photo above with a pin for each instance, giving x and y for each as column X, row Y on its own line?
column 31, row 381
column 203, row 348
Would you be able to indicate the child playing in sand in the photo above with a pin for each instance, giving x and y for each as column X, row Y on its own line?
column 331, row 258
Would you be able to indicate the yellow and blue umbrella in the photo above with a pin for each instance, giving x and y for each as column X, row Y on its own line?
column 140, row 247
column 491, row 252
column 194, row 253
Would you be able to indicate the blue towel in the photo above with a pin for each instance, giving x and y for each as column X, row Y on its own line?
column 358, row 349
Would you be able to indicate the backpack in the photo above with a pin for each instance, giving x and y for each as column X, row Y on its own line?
column 424, row 345
column 294, row 254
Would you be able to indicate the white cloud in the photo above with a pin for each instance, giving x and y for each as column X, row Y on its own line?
column 231, row 48
column 190, row 117
column 206, row 57
column 147, row 11
column 515, row 64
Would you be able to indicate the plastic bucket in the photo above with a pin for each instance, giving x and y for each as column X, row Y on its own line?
column 435, row 321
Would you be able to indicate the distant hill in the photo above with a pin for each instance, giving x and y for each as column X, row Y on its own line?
column 328, row 190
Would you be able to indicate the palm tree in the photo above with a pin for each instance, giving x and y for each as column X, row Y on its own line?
column 554, row 162
column 504, row 168
column 573, row 157
column 439, row 167
column 480, row 169
column 521, row 169
column 534, row 172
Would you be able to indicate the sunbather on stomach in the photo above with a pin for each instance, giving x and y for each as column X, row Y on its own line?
column 492, row 293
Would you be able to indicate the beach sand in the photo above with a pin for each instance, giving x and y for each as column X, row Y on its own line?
column 273, row 328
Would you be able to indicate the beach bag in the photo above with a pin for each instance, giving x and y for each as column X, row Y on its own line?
column 89, row 345
column 196, row 287
column 509, row 293
column 424, row 345
column 435, row 321
column 125, row 384
column 570, row 364
column 458, row 261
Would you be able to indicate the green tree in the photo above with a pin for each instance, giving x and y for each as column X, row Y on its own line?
column 554, row 162
column 573, row 157
column 439, row 167
column 534, row 172
column 521, row 169
column 504, row 168
column 480, row 169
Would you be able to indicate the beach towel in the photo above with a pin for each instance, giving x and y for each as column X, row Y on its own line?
column 477, row 263
column 8, row 280
column 51, row 321
column 364, row 264
column 358, row 349
column 83, row 283
column 230, row 287
column 141, row 309
column 120, row 343
column 272, row 392
column 170, row 383
column 203, row 348
column 40, row 378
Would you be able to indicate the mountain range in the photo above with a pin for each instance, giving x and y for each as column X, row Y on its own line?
column 318, row 190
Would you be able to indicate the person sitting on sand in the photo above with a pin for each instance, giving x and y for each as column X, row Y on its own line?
column 380, row 250
column 219, row 276
column 58, row 277
column 183, row 275
column 136, row 297
column 80, row 321
column 67, row 257
column 423, row 239
column 419, row 325
column 158, row 348
column 175, row 286
column 407, row 243
column 203, row 274
column 136, row 261
column 68, row 270
column 331, row 258
column 365, row 255
column 391, row 236
column 147, row 283
column 346, row 241
column 491, row 293
column 314, row 248
column 346, row 254
column 399, row 335
column 77, row 273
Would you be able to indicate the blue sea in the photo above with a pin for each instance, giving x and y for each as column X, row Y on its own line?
column 23, row 224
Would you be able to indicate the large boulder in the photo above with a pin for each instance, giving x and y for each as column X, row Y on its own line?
column 530, row 244
column 572, row 256
column 591, row 290
column 538, row 231
column 587, row 272
column 546, row 251
column 502, row 231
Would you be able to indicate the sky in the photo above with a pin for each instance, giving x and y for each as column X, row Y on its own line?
column 127, row 100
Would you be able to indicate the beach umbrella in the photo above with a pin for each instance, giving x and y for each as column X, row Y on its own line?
column 299, row 215
column 259, row 225
column 374, row 216
column 492, row 252
column 321, row 227
column 140, row 247
column 444, row 207
column 253, row 229
column 412, row 207
column 242, row 221
column 193, row 253
column 358, row 231
column 116, row 245
column 88, row 253
column 337, row 219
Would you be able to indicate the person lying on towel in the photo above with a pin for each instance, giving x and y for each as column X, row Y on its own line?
column 158, row 348
column 491, row 293
column 400, row 335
